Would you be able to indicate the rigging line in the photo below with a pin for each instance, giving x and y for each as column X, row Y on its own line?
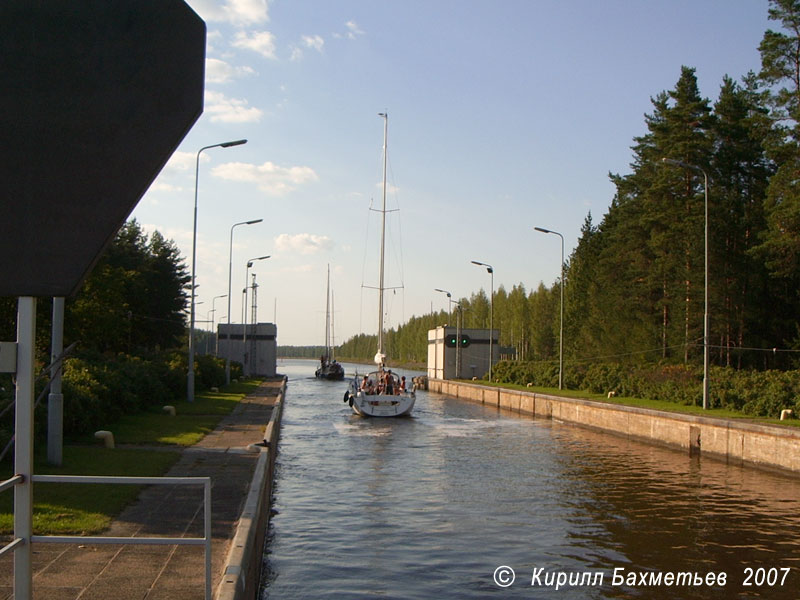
column 734, row 348
column 396, row 196
column 364, row 271
column 596, row 358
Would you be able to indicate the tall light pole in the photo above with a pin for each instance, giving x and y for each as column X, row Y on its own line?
column 244, row 312
column 213, row 315
column 458, row 328
column 680, row 163
column 230, row 261
column 190, row 378
column 490, row 270
column 561, row 328
column 449, row 301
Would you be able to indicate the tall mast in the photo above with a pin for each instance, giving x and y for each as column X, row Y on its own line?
column 333, row 335
column 383, row 236
column 328, row 315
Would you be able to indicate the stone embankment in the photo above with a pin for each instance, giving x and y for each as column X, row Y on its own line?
column 735, row 441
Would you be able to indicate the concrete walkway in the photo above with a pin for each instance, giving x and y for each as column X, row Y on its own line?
column 118, row 572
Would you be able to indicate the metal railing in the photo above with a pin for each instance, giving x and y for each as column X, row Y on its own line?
column 170, row 541
column 5, row 485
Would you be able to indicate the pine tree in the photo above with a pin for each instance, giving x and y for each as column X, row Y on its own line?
column 741, row 172
column 780, row 242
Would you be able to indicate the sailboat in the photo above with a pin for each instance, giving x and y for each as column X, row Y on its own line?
column 329, row 368
column 381, row 393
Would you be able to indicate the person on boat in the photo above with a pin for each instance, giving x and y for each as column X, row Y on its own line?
column 389, row 384
column 402, row 387
column 364, row 384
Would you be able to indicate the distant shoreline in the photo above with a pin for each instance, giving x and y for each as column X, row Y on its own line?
column 411, row 366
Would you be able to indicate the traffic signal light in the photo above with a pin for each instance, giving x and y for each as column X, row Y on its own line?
column 450, row 341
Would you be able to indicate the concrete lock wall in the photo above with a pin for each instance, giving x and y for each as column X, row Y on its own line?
column 241, row 577
column 260, row 343
column 474, row 357
column 734, row 441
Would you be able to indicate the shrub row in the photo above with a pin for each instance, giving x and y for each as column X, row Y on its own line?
column 757, row 393
column 98, row 391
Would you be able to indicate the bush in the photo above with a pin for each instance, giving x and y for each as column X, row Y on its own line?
column 209, row 371
column 100, row 390
column 757, row 393
column 83, row 408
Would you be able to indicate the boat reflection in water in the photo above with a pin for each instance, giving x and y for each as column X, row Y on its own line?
column 430, row 506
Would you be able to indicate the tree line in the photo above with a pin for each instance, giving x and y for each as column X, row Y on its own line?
column 634, row 285
column 128, row 321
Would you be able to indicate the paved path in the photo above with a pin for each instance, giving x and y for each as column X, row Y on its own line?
column 114, row 572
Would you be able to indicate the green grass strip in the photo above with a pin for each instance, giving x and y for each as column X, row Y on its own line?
column 87, row 509
column 662, row 405
column 78, row 508
column 192, row 420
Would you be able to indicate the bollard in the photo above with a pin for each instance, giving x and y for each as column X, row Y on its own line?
column 106, row 436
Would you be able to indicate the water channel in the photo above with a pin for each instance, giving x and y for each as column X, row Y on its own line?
column 434, row 505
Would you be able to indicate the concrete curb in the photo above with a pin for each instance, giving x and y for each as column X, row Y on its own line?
column 240, row 578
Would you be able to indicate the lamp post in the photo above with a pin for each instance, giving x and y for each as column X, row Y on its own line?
column 490, row 270
column 230, row 261
column 190, row 377
column 458, row 328
column 680, row 163
column 449, row 301
column 561, row 327
column 244, row 312
column 213, row 315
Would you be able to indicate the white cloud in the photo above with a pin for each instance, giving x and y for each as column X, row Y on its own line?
column 353, row 30
column 218, row 71
column 238, row 12
column 298, row 269
column 230, row 110
column 297, row 54
column 212, row 37
column 262, row 42
column 183, row 161
column 303, row 243
column 314, row 41
column 269, row 178
column 165, row 187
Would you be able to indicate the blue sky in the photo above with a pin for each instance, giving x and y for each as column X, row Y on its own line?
column 503, row 115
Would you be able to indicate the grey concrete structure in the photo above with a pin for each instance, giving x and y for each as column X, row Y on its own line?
column 474, row 355
column 257, row 351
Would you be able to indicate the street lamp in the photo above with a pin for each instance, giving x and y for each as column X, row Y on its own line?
column 449, row 301
column 561, row 328
column 458, row 328
column 244, row 311
column 213, row 315
column 230, row 261
column 190, row 378
column 490, row 270
column 680, row 163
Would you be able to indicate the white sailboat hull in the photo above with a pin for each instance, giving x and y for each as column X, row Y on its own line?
column 383, row 406
column 363, row 399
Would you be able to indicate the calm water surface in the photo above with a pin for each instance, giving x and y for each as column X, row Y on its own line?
column 430, row 506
